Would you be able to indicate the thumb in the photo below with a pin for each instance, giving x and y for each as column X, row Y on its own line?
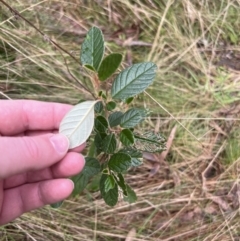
column 30, row 153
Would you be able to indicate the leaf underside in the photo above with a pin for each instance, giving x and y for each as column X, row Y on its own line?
column 78, row 123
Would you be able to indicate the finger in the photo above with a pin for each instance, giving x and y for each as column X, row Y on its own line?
column 37, row 133
column 71, row 165
column 79, row 148
column 31, row 196
column 24, row 154
column 17, row 116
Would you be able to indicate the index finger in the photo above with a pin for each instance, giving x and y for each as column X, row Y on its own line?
column 17, row 116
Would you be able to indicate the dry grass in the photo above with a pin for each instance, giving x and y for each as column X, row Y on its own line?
column 195, row 193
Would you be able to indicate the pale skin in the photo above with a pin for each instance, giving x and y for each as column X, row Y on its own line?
column 35, row 163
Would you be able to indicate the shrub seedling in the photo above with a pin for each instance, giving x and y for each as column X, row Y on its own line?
column 115, row 145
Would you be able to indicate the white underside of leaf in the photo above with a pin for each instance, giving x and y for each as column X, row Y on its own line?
column 78, row 123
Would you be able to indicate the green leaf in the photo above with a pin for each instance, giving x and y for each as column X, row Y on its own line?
column 93, row 185
column 114, row 119
column 121, row 183
column 89, row 67
column 131, row 118
column 80, row 182
column 110, row 197
column 111, row 105
column 92, row 49
column 136, row 162
column 131, row 195
column 101, row 123
column 109, row 65
column 109, row 183
column 109, row 144
column 133, row 80
column 129, row 100
column 104, row 96
column 150, row 142
column 98, row 107
column 126, row 137
column 119, row 162
column 134, row 154
column 91, row 168
column 105, row 171
column 143, row 112
column 57, row 205
column 98, row 140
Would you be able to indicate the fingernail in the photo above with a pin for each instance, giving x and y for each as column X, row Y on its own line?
column 60, row 143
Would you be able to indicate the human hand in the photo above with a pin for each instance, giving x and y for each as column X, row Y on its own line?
column 34, row 162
